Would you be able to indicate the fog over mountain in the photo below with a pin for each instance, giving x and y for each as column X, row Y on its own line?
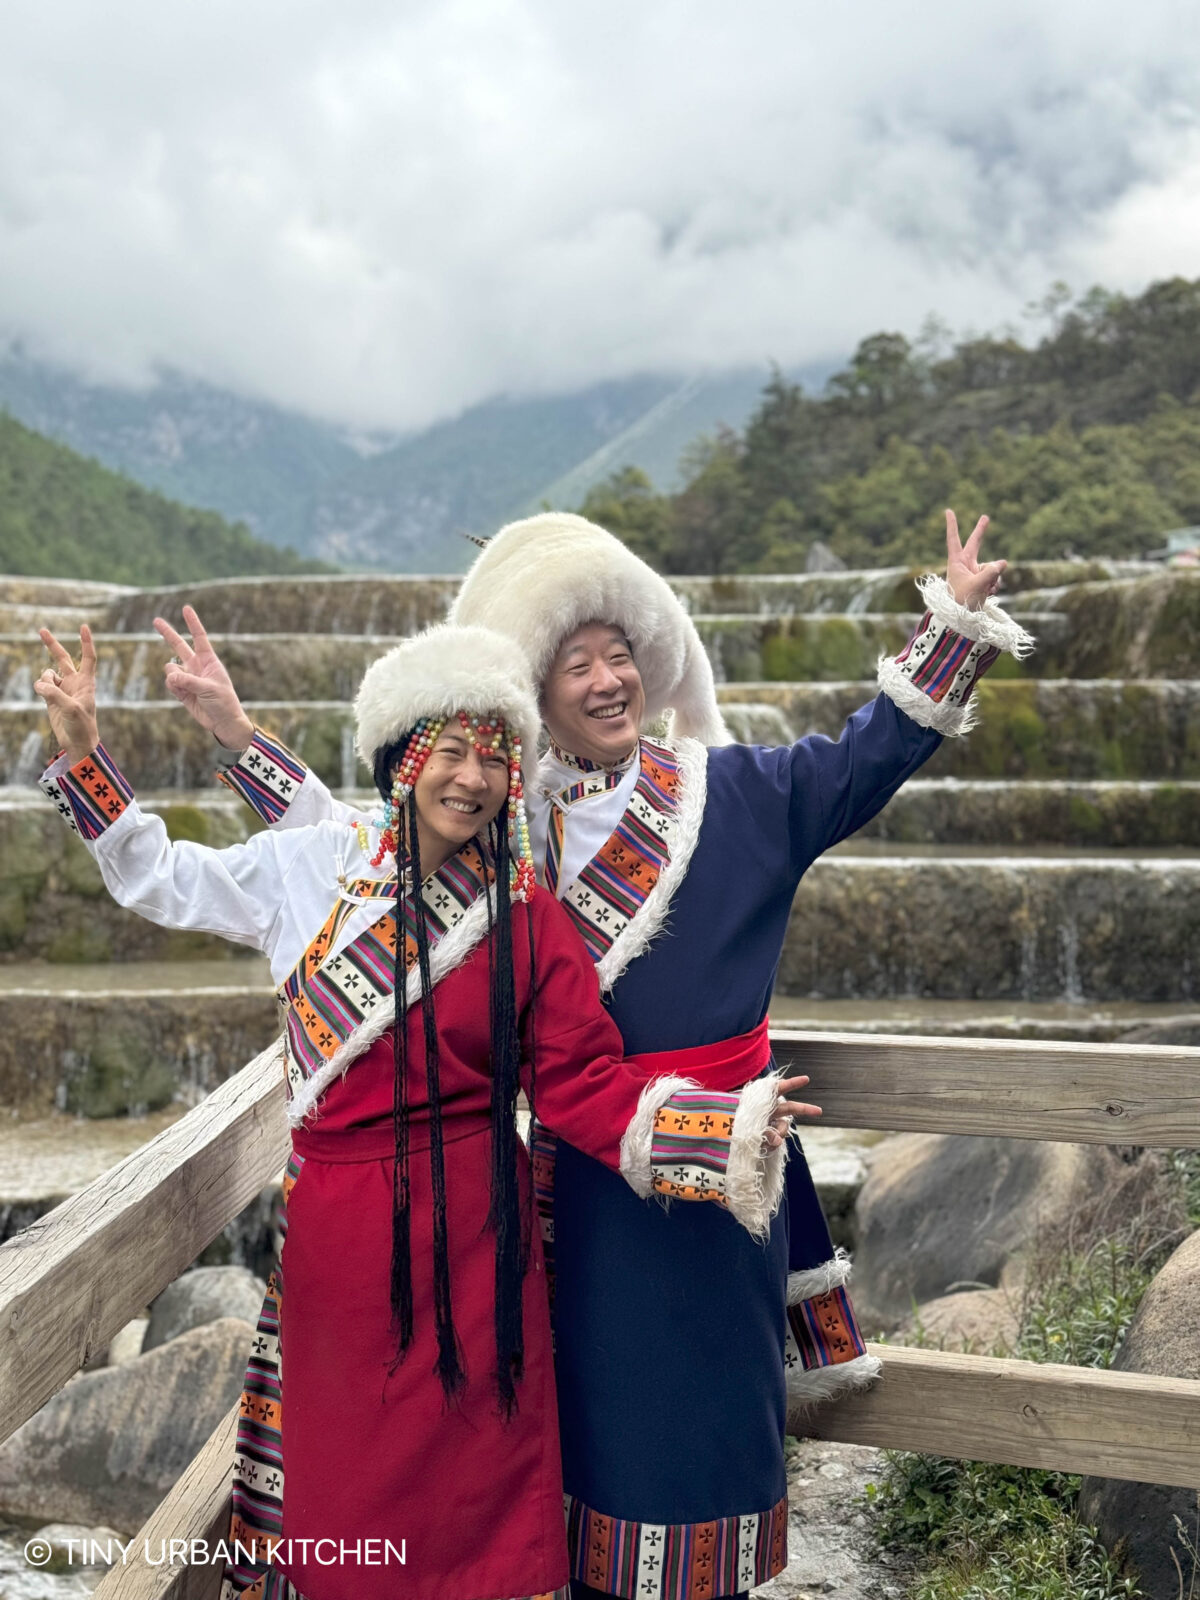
column 384, row 216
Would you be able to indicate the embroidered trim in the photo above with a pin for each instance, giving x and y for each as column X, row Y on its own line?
column 91, row 795
column 675, row 1561
column 266, row 775
column 637, row 1142
column 692, row 759
column 825, row 1354
column 450, row 952
column 949, row 720
column 690, row 1149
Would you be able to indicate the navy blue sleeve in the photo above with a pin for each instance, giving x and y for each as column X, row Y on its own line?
column 838, row 785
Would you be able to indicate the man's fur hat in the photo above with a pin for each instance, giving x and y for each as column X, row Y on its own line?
column 438, row 672
column 540, row 579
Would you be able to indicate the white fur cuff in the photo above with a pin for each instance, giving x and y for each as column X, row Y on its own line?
column 637, row 1167
column 831, row 1274
column 754, row 1178
column 989, row 625
column 805, row 1389
column 915, row 703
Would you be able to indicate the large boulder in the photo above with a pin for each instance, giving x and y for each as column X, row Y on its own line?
column 979, row 1322
column 109, row 1446
column 202, row 1296
column 939, row 1210
column 1137, row 1520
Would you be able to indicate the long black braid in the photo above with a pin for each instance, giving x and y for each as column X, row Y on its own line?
column 504, row 1212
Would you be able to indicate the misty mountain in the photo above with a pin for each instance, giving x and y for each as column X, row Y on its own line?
column 376, row 501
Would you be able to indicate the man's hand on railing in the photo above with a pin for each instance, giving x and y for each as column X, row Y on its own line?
column 787, row 1109
column 198, row 680
column 69, row 692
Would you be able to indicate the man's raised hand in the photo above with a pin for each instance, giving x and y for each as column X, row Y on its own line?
column 198, row 680
column 971, row 581
column 69, row 693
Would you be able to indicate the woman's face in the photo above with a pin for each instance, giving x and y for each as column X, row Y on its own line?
column 459, row 791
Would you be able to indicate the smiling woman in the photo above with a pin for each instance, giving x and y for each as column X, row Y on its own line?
column 420, row 1392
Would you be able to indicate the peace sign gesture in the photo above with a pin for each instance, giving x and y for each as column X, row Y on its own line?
column 971, row 581
column 70, row 694
column 198, row 680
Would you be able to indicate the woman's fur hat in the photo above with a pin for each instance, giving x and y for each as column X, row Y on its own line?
column 438, row 672
column 540, row 579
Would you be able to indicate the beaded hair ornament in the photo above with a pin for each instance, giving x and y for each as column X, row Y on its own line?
column 488, row 737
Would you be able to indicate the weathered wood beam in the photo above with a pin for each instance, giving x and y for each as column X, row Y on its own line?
column 197, row 1508
column 1026, row 1089
column 1070, row 1419
column 68, row 1282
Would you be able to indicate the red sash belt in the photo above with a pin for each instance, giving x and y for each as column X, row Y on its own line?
column 726, row 1065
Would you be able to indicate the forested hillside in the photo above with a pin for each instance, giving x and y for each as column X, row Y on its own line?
column 62, row 515
column 1087, row 442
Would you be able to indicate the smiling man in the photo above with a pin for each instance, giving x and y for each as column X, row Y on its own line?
column 681, row 1340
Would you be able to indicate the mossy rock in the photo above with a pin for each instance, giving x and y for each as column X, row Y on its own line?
column 80, row 941
column 118, row 1076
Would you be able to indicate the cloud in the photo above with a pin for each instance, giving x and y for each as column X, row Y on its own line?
column 383, row 213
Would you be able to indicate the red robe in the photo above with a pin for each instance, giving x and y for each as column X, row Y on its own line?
column 477, row 1501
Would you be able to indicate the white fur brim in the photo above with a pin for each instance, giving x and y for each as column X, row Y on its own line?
column 754, row 1177
column 990, row 624
column 440, row 671
column 810, row 1388
column 637, row 1141
column 915, row 703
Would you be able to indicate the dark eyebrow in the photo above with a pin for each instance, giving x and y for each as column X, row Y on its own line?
column 459, row 739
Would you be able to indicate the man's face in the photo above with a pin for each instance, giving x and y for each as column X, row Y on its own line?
column 592, row 695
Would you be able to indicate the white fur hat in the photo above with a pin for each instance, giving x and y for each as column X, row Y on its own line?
column 438, row 672
column 540, row 579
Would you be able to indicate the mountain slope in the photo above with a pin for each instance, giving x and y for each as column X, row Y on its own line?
column 64, row 516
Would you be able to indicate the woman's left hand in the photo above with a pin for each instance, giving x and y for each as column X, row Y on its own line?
column 69, row 692
column 785, row 1110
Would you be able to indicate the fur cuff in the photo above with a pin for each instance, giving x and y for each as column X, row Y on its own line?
column 754, row 1177
column 915, row 703
column 989, row 625
column 831, row 1274
column 637, row 1142
column 805, row 1389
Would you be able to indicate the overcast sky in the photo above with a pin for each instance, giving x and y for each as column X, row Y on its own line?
column 382, row 211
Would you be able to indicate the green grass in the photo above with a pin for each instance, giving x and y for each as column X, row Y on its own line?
column 987, row 1532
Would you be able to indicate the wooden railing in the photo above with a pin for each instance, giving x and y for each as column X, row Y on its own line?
column 69, row 1282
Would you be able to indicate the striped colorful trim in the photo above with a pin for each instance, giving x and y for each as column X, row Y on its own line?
column 679, row 1561
column 543, row 1154
column 91, row 795
column 689, row 1146
column 266, row 775
column 326, row 998
column 943, row 664
column 256, row 1517
column 610, row 891
column 822, row 1332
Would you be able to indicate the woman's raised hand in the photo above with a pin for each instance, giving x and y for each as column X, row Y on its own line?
column 785, row 1110
column 971, row 580
column 198, row 680
column 69, row 692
